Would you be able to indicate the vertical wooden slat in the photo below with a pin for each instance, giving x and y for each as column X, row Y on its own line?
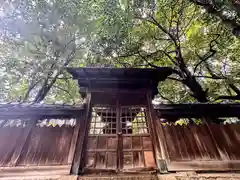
column 26, row 151
column 47, row 151
column 236, row 132
column 231, row 141
column 82, row 135
column 193, row 150
column 74, row 141
column 183, row 145
column 4, row 134
column 217, row 131
column 119, row 137
column 52, row 145
column 195, row 134
column 11, row 142
column 208, row 142
column 58, row 143
column 218, row 153
column 171, row 149
column 22, row 142
column 35, row 147
column 224, row 141
column 39, row 159
column 38, row 148
column 177, row 142
column 66, row 138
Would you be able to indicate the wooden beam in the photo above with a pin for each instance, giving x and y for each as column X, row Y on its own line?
column 173, row 111
column 34, row 172
column 159, row 144
column 74, row 141
column 24, row 110
column 204, row 165
column 76, row 163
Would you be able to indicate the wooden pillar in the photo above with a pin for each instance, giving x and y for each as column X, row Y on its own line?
column 74, row 140
column 160, row 147
column 76, row 163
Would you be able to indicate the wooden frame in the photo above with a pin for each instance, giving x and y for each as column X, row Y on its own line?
column 120, row 134
column 78, row 155
column 158, row 144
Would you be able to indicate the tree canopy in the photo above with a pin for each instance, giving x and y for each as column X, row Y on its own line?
column 39, row 38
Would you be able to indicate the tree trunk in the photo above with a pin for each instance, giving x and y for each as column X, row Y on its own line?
column 197, row 90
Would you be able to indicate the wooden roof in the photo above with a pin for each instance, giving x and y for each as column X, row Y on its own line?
column 37, row 110
column 130, row 79
column 21, row 110
column 197, row 110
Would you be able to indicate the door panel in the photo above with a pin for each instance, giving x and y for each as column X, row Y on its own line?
column 102, row 145
column 119, row 140
column 137, row 144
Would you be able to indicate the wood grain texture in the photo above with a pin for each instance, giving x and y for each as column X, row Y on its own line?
column 201, row 147
column 34, row 172
column 74, row 141
column 81, row 140
column 9, row 142
column 40, row 146
column 47, row 145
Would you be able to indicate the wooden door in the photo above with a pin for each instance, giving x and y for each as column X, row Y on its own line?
column 119, row 141
column 136, row 150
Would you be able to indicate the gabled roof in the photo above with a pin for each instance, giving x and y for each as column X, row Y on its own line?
column 158, row 74
column 116, row 79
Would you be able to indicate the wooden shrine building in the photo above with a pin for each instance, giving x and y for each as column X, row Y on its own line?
column 117, row 133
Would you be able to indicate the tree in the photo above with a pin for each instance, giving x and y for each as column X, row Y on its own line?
column 43, row 37
column 228, row 11
column 46, row 40
column 173, row 33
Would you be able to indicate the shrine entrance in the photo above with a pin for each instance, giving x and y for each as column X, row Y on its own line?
column 118, row 135
column 119, row 140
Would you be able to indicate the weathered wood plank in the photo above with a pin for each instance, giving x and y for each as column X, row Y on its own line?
column 74, row 141
column 204, row 165
column 47, row 145
column 21, row 143
column 34, row 172
column 76, row 163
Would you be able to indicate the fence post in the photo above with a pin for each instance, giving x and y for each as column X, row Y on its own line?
column 160, row 147
column 74, row 140
column 75, row 169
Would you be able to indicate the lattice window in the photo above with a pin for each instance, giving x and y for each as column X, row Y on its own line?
column 103, row 121
column 133, row 120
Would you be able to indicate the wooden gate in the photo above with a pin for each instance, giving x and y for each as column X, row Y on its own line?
column 119, row 140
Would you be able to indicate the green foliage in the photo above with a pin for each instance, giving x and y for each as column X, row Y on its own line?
column 40, row 38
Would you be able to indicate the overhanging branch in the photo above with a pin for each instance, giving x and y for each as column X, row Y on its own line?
column 208, row 55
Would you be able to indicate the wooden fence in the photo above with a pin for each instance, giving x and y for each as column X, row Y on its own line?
column 38, row 146
column 200, row 147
